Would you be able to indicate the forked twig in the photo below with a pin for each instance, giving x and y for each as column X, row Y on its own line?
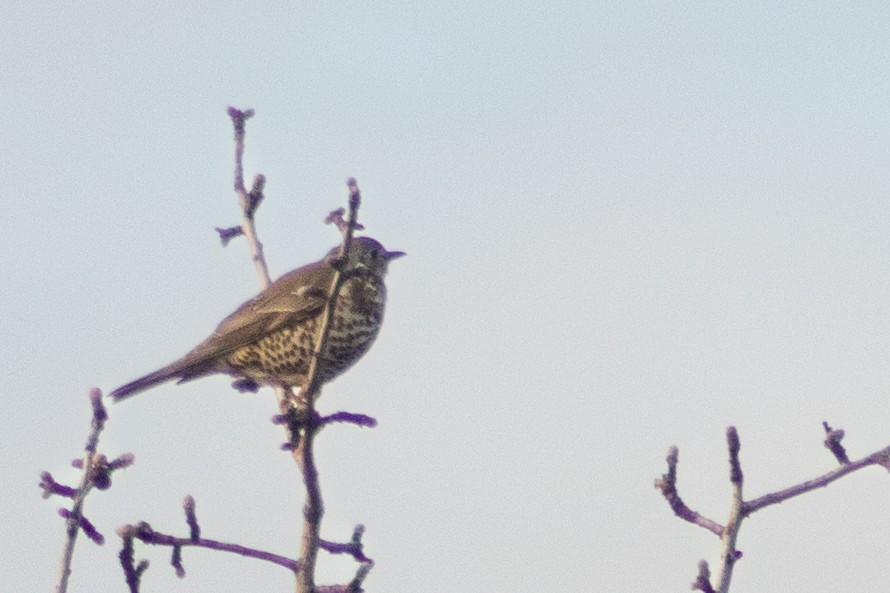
column 740, row 508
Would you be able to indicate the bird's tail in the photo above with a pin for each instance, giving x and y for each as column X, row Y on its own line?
column 150, row 380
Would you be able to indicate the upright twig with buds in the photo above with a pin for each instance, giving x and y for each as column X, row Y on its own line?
column 96, row 472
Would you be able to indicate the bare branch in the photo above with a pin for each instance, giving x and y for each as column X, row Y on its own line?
column 703, row 579
column 73, row 523
column 349, row 418
column 313, row 508
column 354, row 548
column 728, row 552
column 249, row 201
column 144, row 532
column 191, row 518
column 86, row 525
column 96, row 473
column 740, row 509
column 298, row 412
column 227, row 234
column 49, row 486
column 879, row 457
column 132, row 571
column 255, row 196
column 833, row 443
column 668, row 486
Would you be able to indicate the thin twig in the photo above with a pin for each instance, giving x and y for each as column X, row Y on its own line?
column 314, row 375
column 703, row 579
column 132, row 571
column 303, row 420
column 833, row 438
column 728, row 552
column 740, row 509
column 668, row 486
column 145, row 533
column 249, row 200
column 879, row 457
column 354, row 547
column 75, row 517
column 314, row 507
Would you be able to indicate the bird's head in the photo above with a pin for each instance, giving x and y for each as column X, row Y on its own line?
column 368, row 254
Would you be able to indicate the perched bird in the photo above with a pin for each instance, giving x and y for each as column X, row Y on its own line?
column 270, row 339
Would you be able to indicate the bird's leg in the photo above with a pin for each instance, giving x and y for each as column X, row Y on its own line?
column 299, row 416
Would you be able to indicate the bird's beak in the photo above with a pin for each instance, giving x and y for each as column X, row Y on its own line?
column 390, row 255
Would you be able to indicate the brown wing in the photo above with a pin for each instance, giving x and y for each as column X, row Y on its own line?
column 295, row 297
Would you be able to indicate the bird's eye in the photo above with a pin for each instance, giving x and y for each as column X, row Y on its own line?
column 375, row 254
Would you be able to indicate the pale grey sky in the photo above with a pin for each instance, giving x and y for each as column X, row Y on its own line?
column 629, row 225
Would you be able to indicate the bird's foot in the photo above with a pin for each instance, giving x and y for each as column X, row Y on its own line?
column 246, row 386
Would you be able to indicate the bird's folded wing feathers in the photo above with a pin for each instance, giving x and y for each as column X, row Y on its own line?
column 230, row 337
column 283, row 304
